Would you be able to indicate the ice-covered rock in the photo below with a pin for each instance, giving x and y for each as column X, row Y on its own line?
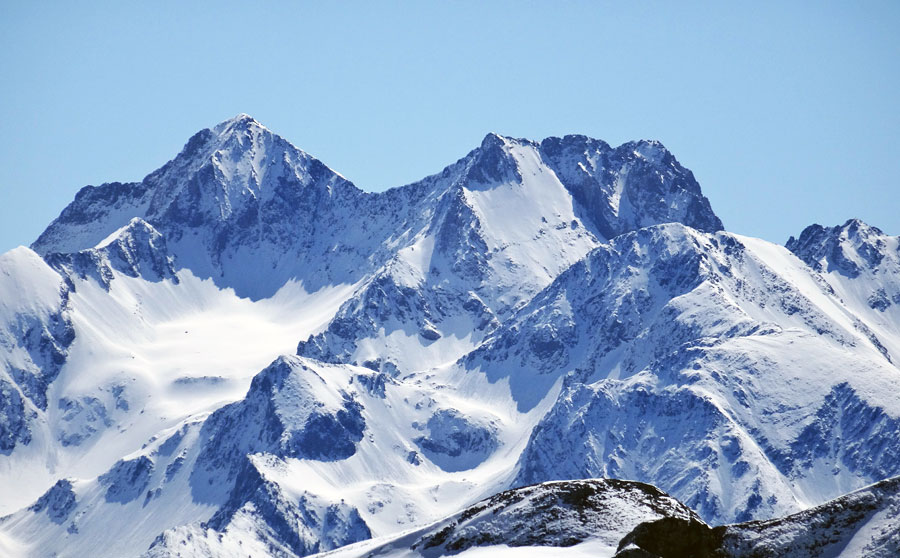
column 260, row 520
column 58, row 502
column 36, row 331
column 455, row 442
column 290, row 411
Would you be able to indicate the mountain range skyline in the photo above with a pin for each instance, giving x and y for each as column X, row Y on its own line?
column 781, row 110
column 493, row 133
column 245, row 353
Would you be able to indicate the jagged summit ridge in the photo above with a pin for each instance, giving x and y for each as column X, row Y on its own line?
column 246, row 349
column 634, row 185
column 222, row 174
column 846, row 248
column 239, row 201
column 240, row 162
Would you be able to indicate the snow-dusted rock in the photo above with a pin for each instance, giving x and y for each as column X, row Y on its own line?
column 862, row 523
column 135, row 250
column 127, row 479
column 260, row 520
column 35, row 334
column 848, row 249
column 455, row 442
column 290, row 411
column 632, row 186
column 58, row 502
column 558, row 515
column 535, row 311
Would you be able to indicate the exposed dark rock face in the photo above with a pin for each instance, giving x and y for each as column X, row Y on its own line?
column 58, row 502
column 672, row 537
column 635, row 185
column 455, row 442
column 840, row 248
column 866, row 519
column 127, row 480
column 282, row 415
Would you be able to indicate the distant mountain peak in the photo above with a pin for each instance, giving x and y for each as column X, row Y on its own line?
column 241, row 125
column 240, row 119
column 205, row 142
column 492, row 162
column 239, row 190
column 652, row 150
column 854, row 226
column 847, row 248
column 492, row 139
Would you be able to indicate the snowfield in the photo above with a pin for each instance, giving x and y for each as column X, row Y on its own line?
column 246, row 355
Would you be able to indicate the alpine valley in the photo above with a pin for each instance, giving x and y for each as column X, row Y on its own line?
column 546, row 349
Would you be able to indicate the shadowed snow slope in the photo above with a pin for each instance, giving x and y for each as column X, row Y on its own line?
column 245, row 354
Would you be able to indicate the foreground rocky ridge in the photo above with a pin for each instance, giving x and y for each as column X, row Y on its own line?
column 626, row 519
column 244, row 354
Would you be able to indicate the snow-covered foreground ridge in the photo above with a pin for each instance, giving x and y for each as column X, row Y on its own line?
column 627, row 519
column 246, row 354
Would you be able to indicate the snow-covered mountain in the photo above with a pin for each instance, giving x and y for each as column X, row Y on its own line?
column 245, row 354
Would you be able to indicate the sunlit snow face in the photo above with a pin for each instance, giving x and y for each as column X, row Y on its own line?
column 244, row 351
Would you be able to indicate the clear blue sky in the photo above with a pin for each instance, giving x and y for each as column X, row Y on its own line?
column 787, row 112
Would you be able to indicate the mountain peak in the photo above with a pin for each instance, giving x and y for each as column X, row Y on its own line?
column 856, row 226
column 493, row 139
column 851, row 230
column 652, row 150
column 492, row 162
column 235, row 135
column 847, row 248
column 634, row 185
column 239, row 123
column 224, row 184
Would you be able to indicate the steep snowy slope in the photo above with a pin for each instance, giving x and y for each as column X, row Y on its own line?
column 35, row 334
column 716, row 367
column 142, row 357
column 244, row 354
column 240, row 205
column 502, row 223
column 862, row 266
